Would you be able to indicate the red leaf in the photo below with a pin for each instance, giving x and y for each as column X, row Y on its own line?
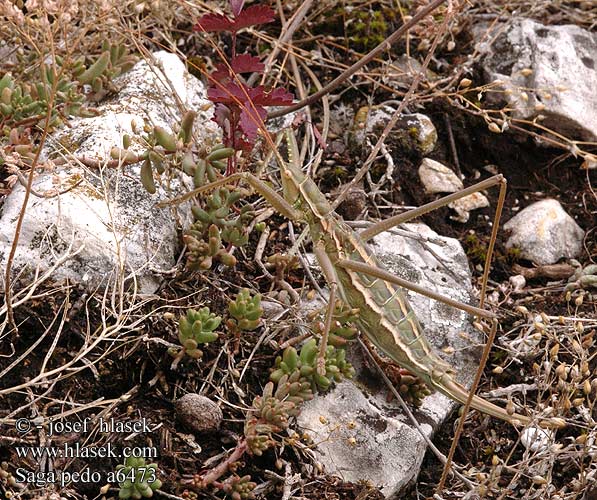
column 240, row 64
column 221, row 74
column 279, row 97
column 236, row 6
column 222, row 116
column 214, row 22
column 256, row 14
column 276, row 97
column 231, row 94
column 251, row 118
column 246, row 63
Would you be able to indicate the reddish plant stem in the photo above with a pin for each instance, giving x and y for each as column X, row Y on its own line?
column 219, row 470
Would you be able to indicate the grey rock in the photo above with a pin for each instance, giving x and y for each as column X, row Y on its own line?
column 549, row 71
column 463, row 206
column 545, row 233
column 414, row 132
column 437, row 178
column 198, row 413
column 387, row 450
column 106, row 225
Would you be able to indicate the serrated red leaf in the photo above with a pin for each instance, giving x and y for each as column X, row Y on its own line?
column 240, row 64
column 256, row 14
column 256, row 95
column 236, row 6
column 245, row 63
column 230, row 94
column 278, row 97
column 214, row 22
column 250, row 119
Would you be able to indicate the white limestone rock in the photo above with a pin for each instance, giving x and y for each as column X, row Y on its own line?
column 549, row 71
column 387, row 450
column 545, row 233
column 105, row 216
column 464, row 206
column 437, row 178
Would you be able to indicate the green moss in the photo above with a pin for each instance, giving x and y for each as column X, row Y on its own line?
column 368, row 29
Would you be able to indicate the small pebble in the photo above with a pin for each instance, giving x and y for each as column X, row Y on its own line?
column 518, row 282
column 198, row 413
column 437, row 178
column 536, row 438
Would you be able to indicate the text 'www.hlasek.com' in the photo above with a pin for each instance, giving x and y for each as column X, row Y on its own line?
column 87, row 440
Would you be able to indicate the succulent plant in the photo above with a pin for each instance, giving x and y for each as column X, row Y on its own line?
column 336, row 365
column 239, row 488
column 583, row 278
column 214, row 225
column 26, row 103
column 194, row 329
column 271, row 412
column 137, row 479
column 246, row 311
column 293, row 381
column 217, row 220
column 113, row 61
column 342, row 329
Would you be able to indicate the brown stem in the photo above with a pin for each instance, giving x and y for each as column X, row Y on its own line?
column 219, row 470
column 386, row 44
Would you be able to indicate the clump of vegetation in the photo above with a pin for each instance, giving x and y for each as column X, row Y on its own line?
column 245, row 315
column 215, row 224
column 137, row 479
column 164, row 151
column 196, row 328
column 218, row 222
column 583, row 278
column 239, row 488
column 294, row 380
column 245, row 311
column 368, row 29
column 305, row 364
column 23, row 104
column 113, row 61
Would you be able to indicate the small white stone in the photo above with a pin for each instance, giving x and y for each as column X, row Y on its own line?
column 437, row 178
column 518, row 282
column 536, row 439
column 465, row 205
column 545, row 233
